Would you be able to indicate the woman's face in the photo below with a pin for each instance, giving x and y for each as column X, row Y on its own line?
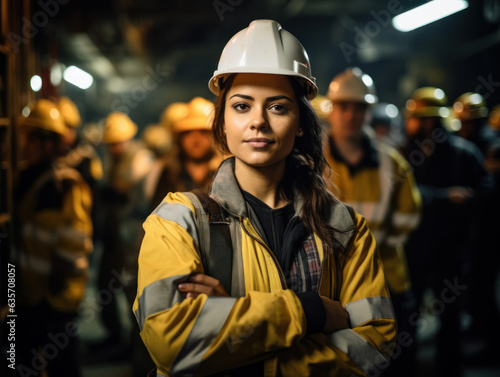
column 261, row 118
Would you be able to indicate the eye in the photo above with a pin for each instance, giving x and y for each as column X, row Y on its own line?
column 240, row 107
column 278, row 108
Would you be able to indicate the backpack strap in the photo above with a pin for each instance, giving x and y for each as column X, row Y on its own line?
column 215, row 238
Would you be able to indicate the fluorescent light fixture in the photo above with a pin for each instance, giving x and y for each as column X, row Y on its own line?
column 78, row 77
column 36, row 83
column 425, row 14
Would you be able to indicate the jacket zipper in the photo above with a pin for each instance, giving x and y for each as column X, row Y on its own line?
column 282, row 275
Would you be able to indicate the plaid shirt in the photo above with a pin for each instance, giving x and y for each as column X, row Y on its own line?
column 306, row 268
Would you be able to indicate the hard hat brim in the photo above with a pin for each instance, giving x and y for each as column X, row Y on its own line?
column 213, row 84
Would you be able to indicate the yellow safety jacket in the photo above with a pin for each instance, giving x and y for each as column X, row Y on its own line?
column 382, row 188
column 53, row 241
column 266, row 321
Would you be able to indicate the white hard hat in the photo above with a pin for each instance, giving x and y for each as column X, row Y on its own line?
column 264, row 47
column 352, row 85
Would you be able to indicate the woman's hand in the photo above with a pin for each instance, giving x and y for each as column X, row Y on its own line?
column 337, row 317
column 201, row 283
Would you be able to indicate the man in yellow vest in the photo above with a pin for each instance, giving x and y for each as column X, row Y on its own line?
column 377, row 181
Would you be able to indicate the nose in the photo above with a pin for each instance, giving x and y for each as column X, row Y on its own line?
column 348, row 115
column 259, row 120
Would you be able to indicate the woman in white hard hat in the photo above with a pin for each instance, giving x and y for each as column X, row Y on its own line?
column 306, row 294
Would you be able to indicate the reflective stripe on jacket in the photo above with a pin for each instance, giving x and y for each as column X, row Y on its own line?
column 53, row 242
column 388, row 197
column 206, row 335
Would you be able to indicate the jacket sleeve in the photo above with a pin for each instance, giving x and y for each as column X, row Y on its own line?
column 366, row 347
column 403, row 217
column 201, row 336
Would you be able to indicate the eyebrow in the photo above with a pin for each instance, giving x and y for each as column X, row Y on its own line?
column 268, row 99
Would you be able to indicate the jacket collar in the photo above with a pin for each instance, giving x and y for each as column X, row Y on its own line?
column 226, row 191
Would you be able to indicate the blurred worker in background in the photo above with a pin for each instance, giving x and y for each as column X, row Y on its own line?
column 80, row 154
column 127, row 163
column 470, row 109
column 451, row 177
column 159, row 141
column 494, row 120
column 170, row 162
column 172, row 114
column 53, row 239
column 387, row 124
column 322, row 107
column 197, row 159
column 377, row 181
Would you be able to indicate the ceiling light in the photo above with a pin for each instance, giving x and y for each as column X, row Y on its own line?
column 78, row 77
column 425, row 14
column 36, row 83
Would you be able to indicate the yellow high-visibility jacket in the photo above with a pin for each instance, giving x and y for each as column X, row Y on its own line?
column 382, row 188
column 205, row 335
column 54, row 239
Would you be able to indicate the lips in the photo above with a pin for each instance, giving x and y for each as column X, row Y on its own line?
column 259, row 142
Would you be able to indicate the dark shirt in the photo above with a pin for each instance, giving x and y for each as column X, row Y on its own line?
column 284, row 234
column 273, row 221
column 49, row 194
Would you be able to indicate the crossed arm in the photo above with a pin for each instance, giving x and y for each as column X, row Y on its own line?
column 337, row 317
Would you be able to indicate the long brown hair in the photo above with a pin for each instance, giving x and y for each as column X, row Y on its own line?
column 305, row 169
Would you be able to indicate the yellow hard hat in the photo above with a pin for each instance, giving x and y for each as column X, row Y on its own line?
column 157, row 138
column 69, row 112
column 118, row 127
column 200, row 116
column 45, row 115
column 172, row 114
column 427, row 102
column 470, row 106
column 322, row 106
column 494, row 118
